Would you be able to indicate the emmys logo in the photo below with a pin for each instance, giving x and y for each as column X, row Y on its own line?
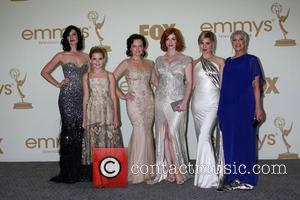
column 15, row 74
column 1, row 152
column 266, row 139
column 93, row 16
column 231, row 26
column 48, row 145
column 276, row 8
column 48, row 35
column 279, row 122
column 6, row 89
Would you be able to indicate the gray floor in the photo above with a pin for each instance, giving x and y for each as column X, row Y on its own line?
column 29, row 180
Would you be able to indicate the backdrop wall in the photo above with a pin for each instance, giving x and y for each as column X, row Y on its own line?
column 30, row 36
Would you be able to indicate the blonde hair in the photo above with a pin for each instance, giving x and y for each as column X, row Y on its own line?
column 210, row 35
column 98, row 49
column 243, row 34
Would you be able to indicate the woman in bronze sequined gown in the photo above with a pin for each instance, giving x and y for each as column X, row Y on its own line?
column 74, row 64
column 138, row 72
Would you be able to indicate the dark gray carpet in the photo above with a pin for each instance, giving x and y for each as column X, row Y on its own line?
column 29, row 180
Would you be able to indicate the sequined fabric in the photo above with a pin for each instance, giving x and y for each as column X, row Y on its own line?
column 70, row 107
column 171, row 88
column 100, row 131
column 141, row 114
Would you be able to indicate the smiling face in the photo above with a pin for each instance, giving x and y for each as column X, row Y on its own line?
column 171, row 42
column 137, row 47
column 206, row 46
column 238, row 43
column 97, row 61
column 72, row 37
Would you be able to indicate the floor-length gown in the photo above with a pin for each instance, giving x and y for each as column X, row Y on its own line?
column 141, row 115
column 70, row 107
column 100, row 131
column 236, row 112
column 204, row 108
column 171, row 88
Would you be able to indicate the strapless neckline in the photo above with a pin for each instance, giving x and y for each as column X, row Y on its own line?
column 76, row 65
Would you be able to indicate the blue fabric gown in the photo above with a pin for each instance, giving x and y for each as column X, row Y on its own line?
column 236, row 112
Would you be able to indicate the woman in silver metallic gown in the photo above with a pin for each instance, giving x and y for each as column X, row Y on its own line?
column 174, row 72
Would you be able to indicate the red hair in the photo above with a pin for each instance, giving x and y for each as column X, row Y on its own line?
column 179, row 39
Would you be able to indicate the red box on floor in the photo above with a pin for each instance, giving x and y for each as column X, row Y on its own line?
column 110, row 167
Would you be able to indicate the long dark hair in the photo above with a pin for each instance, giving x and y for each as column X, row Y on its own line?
column 64, row 41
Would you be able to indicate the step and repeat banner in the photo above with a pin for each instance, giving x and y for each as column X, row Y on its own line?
column 30, row 36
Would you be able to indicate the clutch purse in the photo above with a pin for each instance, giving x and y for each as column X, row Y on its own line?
column 174, row 104
column 255, row 123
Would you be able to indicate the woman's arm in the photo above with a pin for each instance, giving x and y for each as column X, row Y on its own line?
column 188, row 87
column 85, row 98
column 221, row 68
column 259, row 112
column 193, row 71
column 154, row 75
column 50, row 67
column 118, row 73
column 114, row 99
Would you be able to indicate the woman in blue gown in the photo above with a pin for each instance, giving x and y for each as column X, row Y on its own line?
column 240, row 103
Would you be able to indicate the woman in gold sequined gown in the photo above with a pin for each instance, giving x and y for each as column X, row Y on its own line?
column 140, row 107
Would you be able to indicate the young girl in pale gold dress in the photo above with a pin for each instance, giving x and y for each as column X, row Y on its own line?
column 100, row 114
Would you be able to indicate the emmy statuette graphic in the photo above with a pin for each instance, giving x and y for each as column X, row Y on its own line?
column 15, row 74
column 279, row 122
column 276, row 8
column 93, row 16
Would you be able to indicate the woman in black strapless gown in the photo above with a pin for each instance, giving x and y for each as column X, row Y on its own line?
column 74, row 64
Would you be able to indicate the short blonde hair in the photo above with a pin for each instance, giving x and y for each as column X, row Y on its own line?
column 210, row 35
column 243, row 34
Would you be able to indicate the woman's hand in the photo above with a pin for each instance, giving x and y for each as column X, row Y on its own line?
column 64, row 82
column 181, row 106
column 129, row 96
column 83, row 124
column 116, row 122
column 260, row 114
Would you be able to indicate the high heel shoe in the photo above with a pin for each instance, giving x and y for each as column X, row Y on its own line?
column 180, row 182
column 179, row 179
column 170, row 178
